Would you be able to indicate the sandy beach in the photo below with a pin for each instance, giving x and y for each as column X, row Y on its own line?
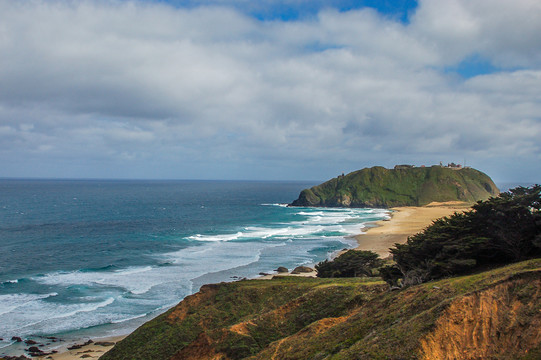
column 404, row 222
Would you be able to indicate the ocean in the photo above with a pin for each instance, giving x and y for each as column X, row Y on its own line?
column 84, row 259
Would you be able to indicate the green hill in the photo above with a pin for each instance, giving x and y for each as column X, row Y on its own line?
column 489, row 315
column 402, row 186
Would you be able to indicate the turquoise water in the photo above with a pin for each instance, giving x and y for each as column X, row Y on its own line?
column 98, row 258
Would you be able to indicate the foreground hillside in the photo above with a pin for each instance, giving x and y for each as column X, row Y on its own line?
column 402, row 186
column 490, row 315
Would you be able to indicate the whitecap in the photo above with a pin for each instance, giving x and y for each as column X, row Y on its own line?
column 133, row 270
column 315, row 213
column 128, row 319
column 220, row 237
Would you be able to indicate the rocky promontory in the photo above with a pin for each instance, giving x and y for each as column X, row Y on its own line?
column 405, row 185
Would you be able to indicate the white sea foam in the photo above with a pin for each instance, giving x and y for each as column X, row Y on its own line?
column 11, row 302
column 59, row 311
column 261, row 233
column 133, row 270
column 314, row 213
column 52, row 318
column 317, row 222
column 38, row 315
column 265, row 232
column 128, row 319
column 130, row 279
column 109, row 306
column 221, row 237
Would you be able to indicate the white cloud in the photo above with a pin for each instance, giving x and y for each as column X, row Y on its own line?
column 506, row 32
column 151, row 85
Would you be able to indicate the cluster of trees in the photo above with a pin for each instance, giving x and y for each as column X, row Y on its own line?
column 500, row 230
column 352, row 263
column 494, row 232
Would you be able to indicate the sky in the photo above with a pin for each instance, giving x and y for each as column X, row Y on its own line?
column 268, row 90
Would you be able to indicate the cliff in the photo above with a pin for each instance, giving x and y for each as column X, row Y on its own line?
column 402, row 186
column 490, row 315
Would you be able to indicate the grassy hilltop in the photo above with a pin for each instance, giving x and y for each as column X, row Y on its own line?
column 402, row 186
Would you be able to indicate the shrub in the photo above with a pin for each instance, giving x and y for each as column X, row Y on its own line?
column 352, row 263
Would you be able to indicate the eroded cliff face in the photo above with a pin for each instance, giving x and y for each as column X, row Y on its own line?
column 502, row 322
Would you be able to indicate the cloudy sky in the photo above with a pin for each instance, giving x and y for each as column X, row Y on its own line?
column 270, row 89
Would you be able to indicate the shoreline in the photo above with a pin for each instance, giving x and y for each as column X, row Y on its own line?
column 93, row 350
column 405, row 221
column 379, row 236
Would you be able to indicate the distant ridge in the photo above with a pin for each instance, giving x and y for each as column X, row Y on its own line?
column 405, row 185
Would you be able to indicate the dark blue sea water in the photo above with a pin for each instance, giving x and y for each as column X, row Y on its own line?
column 99, row 258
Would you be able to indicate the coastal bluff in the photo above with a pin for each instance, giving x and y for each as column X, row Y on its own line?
column 405, row 185
column 488, row 315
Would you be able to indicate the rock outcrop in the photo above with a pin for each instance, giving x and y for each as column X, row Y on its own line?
column 302, row 269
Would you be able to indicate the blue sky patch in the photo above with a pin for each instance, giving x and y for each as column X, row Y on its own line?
column 290, row 10
column 473, row 66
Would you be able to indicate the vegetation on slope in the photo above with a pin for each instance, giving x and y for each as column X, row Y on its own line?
column 346, row 318
column 381, row 187
column 221, row 313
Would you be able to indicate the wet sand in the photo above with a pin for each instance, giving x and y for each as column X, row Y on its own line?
column 91, row 351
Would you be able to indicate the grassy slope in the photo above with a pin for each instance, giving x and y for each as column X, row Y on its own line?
column 221, row 306
column 300, row 318
column 381, row 187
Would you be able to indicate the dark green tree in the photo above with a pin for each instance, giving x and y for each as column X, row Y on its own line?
column 352, row 263
column 511, row 221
